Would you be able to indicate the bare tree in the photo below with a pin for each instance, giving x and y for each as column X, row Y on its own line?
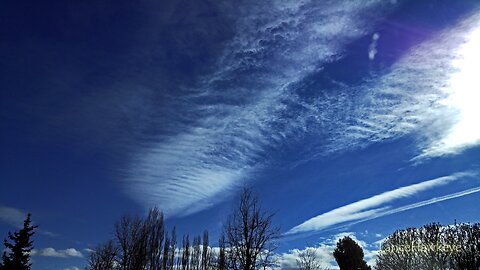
column 249, row 232
column 205, row 254
column 185, row 253
column 166, row 252
column 308, row 260
column 464, row 240
column 144, row 244
column 222, row 260
column 195, row 261
column 267, row 259
column 103, row 257
column 432, row 246
column 173, row 249
column 132, row 237
column 156, row 234
column 398, row 251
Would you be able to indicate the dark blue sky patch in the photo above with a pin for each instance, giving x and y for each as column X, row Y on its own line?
column 112, row 107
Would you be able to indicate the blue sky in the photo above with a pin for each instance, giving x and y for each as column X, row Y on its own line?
column 346, row 117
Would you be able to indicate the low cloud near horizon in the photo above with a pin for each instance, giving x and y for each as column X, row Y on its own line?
column 324, row 252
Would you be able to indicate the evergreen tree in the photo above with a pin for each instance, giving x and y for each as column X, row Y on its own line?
column 349, row 255
column 19, row 248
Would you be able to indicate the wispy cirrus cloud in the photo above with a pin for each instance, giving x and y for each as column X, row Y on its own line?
column 430, row 92
column 380, row 205
column 462, row 98
column 245, row 109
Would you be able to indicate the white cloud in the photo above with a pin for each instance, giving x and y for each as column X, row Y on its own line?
column 430, row 92
column 372, row 48
column 51, row 252
column 421, row 203
column 72, row 268
column 418, row 96
column 48, row 233
column 379, row 243
column 463, row 94
column 375, row 206
column 12, row 216
column 324, row 252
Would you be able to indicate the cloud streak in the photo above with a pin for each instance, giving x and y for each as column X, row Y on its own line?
column 421, row 203
column 379, row 205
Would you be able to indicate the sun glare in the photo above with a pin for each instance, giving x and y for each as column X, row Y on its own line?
column 463, row 98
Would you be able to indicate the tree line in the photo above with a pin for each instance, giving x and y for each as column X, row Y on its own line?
column 146, row 244
column 432, row 246
column 248, row 242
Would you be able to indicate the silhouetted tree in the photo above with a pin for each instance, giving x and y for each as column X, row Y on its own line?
column 166, row 252
column 205, row 254
column 433, row 257
column 195, row 261
column 17, row 253
column 349, row 255
column 465, row 240
column 131, row 236
column 267, row 259
column 432, row 246
column 398, row 251
column 156, row 234
column 222, row 260
column 173, row 249
column 185, row 253
column 141, row 244
column 308, row 260
column 103, row 257
column 249, row 231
